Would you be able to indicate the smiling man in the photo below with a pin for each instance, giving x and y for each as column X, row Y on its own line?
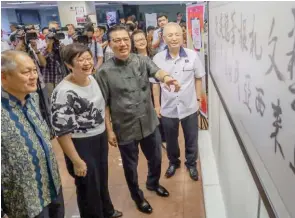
column 185, row 66
column 124, row 81
column 30, row 181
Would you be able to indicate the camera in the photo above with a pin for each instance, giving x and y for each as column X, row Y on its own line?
column 23, row 33
column 56, row 34
column 80, row 36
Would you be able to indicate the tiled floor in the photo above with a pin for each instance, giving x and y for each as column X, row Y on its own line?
column 186, row 196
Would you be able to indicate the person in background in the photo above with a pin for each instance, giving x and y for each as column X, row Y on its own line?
column 96, row 49
column 78, row 117
column 4, row 44
column 53, row 71
column 139, row 46
column 13, row 29
column 185, row 66
column 68, row 37
column 30, row 181
column 158, row 42
column 130, row 27
column 53, row 25
column 139, row 43
column 101, row 36
column 183, row 27
column 124, row 84
column 122, row 20
column 45, row 31
column 179, row 19
column 108, row 53
column 150, row 33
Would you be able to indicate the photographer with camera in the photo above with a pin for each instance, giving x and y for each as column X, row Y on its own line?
column 158, row 42
column 69, row 36
column 54, row 71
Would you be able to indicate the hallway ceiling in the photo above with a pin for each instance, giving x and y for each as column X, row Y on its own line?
column 50, row 4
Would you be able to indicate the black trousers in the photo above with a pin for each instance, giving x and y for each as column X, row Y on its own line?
column 92, row 191
column 151, row 147
column 190, row 130
column 55, row 209
column 161, row 130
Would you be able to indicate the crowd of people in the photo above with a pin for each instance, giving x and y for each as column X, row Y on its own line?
column 123, row 87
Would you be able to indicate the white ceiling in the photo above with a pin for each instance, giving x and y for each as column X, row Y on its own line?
column 49, row 4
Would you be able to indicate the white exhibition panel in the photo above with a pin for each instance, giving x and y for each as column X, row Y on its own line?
column 252, row 54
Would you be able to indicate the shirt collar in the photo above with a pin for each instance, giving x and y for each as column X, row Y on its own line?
column 182, row 53
column 123, row 62
column 12, row 100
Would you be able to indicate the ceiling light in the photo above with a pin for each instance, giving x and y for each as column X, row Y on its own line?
column 20, row 3
column 47, row 5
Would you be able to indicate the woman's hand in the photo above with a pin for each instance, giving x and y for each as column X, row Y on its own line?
column 112, row 139
column 80, row 168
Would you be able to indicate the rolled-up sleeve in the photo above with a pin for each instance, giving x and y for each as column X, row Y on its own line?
column 198, row 68
column 102, row 80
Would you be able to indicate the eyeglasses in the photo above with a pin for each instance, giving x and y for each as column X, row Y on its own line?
column 81, row 61
column 140, row 40
column 118, row 40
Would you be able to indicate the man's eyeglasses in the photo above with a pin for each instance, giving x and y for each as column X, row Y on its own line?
column 118, row 40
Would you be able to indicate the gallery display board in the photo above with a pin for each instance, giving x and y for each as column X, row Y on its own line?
column 195, row 40
column 252, row 56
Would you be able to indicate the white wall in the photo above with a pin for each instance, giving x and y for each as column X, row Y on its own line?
column 239, row 191
column 7, row 16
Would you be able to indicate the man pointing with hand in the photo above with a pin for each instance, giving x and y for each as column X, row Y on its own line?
column 124, row 81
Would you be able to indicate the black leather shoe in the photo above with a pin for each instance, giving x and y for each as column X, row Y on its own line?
column 144, row 207
column 171, row 170
column 116, row 214
column 160, row 190
column 193, row 172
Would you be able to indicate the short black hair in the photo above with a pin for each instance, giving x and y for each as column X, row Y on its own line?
column 150, row 28
column 115, row 28
column 69, row 52
column 70, row 24
column 130, row 27
column 102, row 28
column 90, row 29
column 162, row 15
column 178, row 13
column 44, row 28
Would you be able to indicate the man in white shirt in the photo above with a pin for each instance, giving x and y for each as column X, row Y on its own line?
column 68, row 36
column 185, row 66
column 158, row 42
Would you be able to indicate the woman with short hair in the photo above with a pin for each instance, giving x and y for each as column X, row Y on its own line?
column 78, row 117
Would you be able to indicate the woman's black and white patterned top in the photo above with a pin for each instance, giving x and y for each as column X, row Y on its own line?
column 78, row 110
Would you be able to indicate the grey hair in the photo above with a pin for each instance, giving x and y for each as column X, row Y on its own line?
column 171, row 24
column 8, row 60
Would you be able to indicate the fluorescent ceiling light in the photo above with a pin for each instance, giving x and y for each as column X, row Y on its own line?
column 20, row 3
column 47, row 5
column 101, row 3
